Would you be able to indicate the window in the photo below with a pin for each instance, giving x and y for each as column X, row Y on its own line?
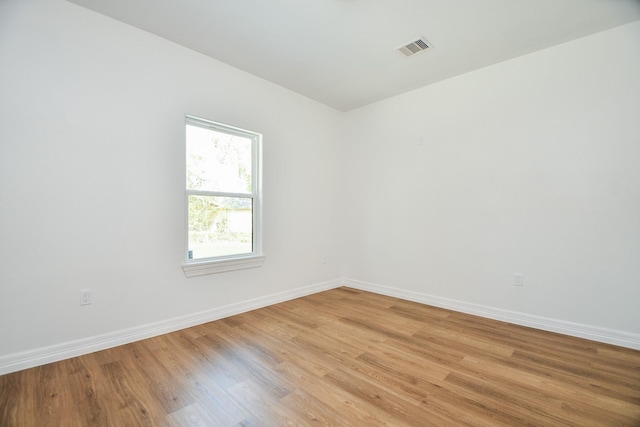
column 222, row 198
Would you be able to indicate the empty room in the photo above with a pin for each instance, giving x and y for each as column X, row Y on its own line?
column 319, row 212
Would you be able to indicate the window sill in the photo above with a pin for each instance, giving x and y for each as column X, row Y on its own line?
column 203, row 268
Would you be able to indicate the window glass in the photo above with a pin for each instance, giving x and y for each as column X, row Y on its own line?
column 218, row 161
column 221, row 191
column 220, row 226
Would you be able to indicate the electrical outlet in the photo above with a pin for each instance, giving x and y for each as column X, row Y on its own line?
column 85, row 296
column 518, row 279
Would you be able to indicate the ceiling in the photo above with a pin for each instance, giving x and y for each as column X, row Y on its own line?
column 343, row 52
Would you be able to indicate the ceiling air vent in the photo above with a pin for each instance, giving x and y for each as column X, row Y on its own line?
column 416, row 46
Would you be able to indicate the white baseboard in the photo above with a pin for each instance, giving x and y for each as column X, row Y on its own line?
column 40, row 356
column 610, row 336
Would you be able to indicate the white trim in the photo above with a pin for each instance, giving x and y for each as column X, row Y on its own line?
column 40, row 356
column 220, row 194
column 202, row 268
column 595, row 333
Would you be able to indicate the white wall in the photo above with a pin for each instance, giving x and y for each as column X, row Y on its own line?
column 91, row 177
column 529, row 166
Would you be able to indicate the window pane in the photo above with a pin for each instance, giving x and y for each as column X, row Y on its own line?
column 220, row 226
column 218, row 161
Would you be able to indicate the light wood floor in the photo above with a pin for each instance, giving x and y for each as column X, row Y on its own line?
column 340, row 358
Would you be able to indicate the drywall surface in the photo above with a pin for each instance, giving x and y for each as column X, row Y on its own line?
column 92, row 177
column 530, row 166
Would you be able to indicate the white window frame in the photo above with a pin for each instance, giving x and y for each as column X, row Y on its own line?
column 201, row 267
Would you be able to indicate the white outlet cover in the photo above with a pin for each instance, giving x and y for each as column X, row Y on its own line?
column 85, row 296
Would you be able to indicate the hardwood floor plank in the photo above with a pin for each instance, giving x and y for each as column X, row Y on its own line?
column 86, row 401
column 343, row 357
column 316, row 412
column 132, row 404
column 523, row 410
column 147, row 367
column 264, row 406
column 357, row 413
column 581, row 373
column 392, row 410
column 244, row 359
column 194, row 415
